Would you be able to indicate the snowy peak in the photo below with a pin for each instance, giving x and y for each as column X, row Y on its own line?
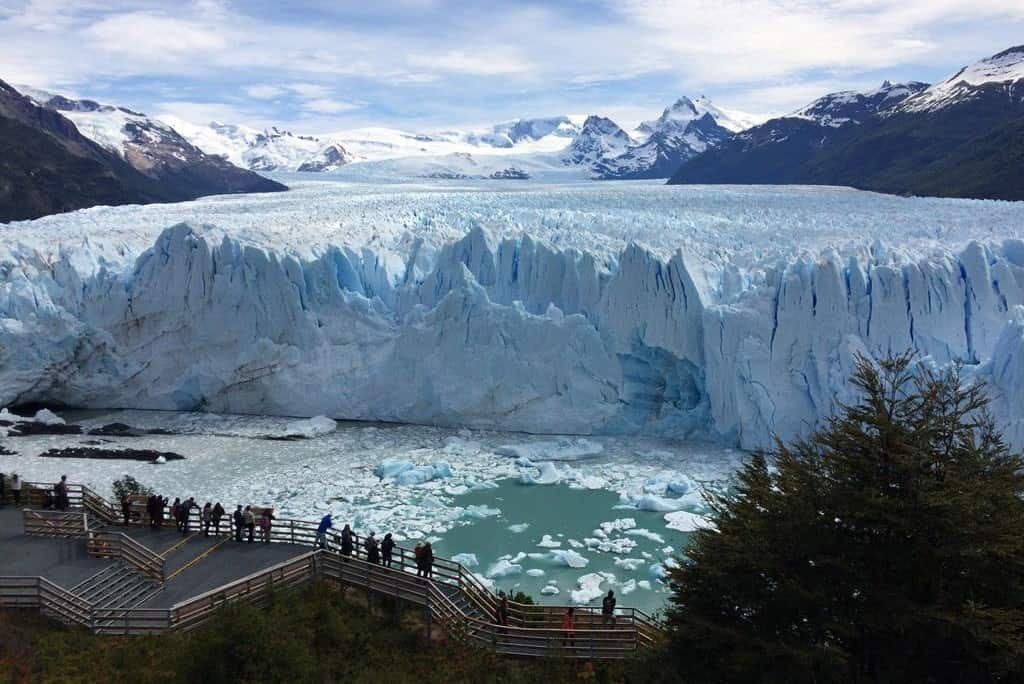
column 330, row 157
column 854, row 107
column 599, row 138
column 1001, row 74
column 684, row 110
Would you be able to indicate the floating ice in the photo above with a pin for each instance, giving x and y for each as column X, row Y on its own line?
column 550, row 590
column 548, row 543
column 518, row 528
column 589, row 588
column 48, row 417
column 564, row 449
column 630, row 564
column 469, row 560
column 628, row 587
column 480, row 512
column 569, row 557
column 684, row 521
column 311, row 427
column 658, row 571
column 549, row 474
column 160, row 460
column 617, row 525
column 642, row 532
column 644, row 584
column 535, row 572
column 503, row 568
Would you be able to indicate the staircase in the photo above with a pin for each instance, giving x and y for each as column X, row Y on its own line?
column 117, row 587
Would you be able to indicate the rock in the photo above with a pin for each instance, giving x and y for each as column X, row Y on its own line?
column 23, row 428
column 147, row 455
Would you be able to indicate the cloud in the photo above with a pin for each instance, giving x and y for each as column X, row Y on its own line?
column 329, row 106
column 264, row 92
column 481, row 64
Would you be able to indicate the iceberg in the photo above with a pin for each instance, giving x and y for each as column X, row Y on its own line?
column 569, row 558
column 469, row 560
column 589, row 588
column 729, row 315
column 503, row 568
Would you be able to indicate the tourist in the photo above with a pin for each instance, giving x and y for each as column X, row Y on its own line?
column 265, row 523
column 372, row 551
column 16, row 488
column 346, row 540
column 151, row 510
column 207, row 518
column 326, row 523
column 126, row 509
column 501, row 612
column 174, row 513
column 417, row 554
column 60, row 491
column 239, row 523
column 569, row 624
column 250, row 522
column 161, row 510
column 428, row 561
column 218, row 513
column 387, row 548
column 608, row 609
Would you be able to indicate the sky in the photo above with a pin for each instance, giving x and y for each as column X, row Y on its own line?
column 426, row 65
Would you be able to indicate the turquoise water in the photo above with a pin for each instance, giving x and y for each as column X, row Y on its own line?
column 563, row 513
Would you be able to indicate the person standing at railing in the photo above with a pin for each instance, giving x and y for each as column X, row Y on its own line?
column 175, row 515
column 372, row 550
column 326, row 523
column 239, row 520
column 126, row 509
column 387, row 549
column 217, row 514
column 608, row 609
column 421, row 568
column 3, row 489
column 569, row 624
column 428, row 561
column 501, row 612
column 250, row 523
column 266, row 520
column 206, row 517
column 346, row 541
column 16, row 488
column 60, row 490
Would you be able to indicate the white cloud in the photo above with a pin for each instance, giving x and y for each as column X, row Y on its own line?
column 264, row 92
column 145, row 35
column 329, row 106
column 487, row 63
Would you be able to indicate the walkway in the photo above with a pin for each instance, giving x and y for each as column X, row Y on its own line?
column 82, row 566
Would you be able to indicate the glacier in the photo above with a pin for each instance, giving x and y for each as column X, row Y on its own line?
column 727, row 314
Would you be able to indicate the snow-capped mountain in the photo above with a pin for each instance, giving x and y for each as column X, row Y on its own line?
column 961, row 137
column 330, row 157
column 1001, row 75
column 849, row 106
column 142, row 159
column 600, row 138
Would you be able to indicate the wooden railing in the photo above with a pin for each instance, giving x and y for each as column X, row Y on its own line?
column 107, row 544
column 532, row 630
column 46, row 523
column 52, row 600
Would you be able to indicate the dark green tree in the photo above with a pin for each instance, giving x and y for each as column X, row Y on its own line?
column 887, row 546
column 129, row 486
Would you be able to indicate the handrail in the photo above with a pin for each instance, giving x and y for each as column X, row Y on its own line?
column 532, row 629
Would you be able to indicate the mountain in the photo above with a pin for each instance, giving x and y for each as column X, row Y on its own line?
column 330, row 157
column 154, row 149
column 958, row 138
column 684, row 130
column 598, row 139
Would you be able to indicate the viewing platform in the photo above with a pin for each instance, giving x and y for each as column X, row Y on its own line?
column 84, row 566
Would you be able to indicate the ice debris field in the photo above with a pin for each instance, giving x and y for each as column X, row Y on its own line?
column 720, row 313
column 617, row 508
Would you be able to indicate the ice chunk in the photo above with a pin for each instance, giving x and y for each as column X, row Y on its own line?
column 311, row 427
column 684, row 521
column 535, row 572
column 617, row 525
column 658, row 571
column 390, row 467
column 565, row 449
column 628, row 587
column 469, row 560
column 630, row 564
column 589, row 588
column 549, row 590
column 48, row 417
column 503, row 568
column 548, row 543
column 518, row 528
column 644, row 584
column 642, row 532
column 425, row 473
column 549, row 474
column 160, row 460
column 480, row 512
column 570, row 558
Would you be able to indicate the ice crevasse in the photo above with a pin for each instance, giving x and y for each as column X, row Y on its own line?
column 510, row 333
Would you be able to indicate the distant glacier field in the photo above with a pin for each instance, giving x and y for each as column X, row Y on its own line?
column 726, row 314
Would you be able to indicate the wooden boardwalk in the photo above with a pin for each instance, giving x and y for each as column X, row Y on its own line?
column 83, row 566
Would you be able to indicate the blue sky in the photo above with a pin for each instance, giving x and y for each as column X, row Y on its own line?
column 429, row 64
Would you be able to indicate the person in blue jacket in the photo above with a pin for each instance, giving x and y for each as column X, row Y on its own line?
column 321, row 532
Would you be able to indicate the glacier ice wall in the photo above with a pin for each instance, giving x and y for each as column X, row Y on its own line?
column 510, row 333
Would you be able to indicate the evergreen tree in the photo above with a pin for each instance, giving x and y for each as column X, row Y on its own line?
column 887, row 546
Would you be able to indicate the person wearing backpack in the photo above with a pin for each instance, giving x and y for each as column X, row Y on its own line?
column 608, row 608
column 265, row 523
column 387, row 548
column 216, row 515
column 372, row 551
column 346, row 541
